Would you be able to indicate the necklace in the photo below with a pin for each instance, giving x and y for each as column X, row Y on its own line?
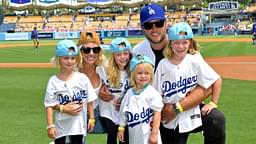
column 139, row 91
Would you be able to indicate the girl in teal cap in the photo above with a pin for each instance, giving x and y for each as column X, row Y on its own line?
column 116, row 84
column 68, row 86
column 142, row 104
column 182, row 69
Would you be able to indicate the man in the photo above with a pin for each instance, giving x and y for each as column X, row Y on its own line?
column 154, row 27
column 34, row 36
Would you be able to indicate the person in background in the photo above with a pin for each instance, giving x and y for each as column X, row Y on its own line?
column 68, row 86
column 142, row 104
column 154, row 26
column 34, row 37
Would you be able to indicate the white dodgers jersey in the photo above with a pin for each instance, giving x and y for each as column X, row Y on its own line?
column 137, row 112
column 175, row 81
column 78, row 88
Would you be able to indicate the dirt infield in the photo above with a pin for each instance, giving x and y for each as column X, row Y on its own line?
column 243, row 68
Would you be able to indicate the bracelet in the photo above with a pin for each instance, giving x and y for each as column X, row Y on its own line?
column 91, row 121
column 121, row 128
column 213, row 104
column 50, row 126
column 61, row 108
column 179, row 107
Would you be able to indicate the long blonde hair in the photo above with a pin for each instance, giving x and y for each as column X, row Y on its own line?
column 193, row 48
column 113, row 72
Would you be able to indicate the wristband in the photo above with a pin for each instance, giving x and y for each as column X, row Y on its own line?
column 121, row 129
column 61, row 108
column 91, row 121
column 213, row 104
column 179, row 107
column 50, row 126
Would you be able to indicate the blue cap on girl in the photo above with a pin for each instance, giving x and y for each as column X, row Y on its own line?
column 180, row 31
column 138, row 59
column 63, row 48
column 120, row 44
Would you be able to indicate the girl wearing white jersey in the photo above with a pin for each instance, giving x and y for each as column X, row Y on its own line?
column 116, row 84
column 68, row 86
column 179, row 73
column 92, row 66
column 142, row 104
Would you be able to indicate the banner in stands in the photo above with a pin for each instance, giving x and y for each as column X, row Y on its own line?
column 47, row 2
column 64, row 35
column 135, row 32
column 45, row 35
column 99, row 2
column 19, row 3
column 17, row 36
column 223, row 5
column 112, row 33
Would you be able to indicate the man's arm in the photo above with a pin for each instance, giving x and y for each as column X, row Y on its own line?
column 197, row 96
column 194, row 98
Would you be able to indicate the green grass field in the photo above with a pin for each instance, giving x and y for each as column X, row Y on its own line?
column 22, row 115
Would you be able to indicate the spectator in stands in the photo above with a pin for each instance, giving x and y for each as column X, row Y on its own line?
column 34, row 37
column 154, row 27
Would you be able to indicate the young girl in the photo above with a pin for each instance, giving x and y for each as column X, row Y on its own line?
column 92, row 66
column 65, row 87
column 177, row 74
column 142, row 104
column 117, row 83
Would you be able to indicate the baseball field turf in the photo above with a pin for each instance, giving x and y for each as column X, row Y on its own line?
column 22, row 115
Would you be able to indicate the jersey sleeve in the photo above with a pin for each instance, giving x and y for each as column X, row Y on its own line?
column 206, row 75
column 50, row 99
column 155, row 100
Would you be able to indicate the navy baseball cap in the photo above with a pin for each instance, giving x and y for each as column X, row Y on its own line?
column 180, row 31
column 62, row 48
column 151, row 12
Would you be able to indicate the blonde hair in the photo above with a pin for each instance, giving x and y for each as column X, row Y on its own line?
column 193, row 48
column 114, row 73
column 149, row 68
column 56, row 61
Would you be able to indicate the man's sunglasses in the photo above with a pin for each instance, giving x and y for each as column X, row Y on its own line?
column 87, row 50
column 149, row 25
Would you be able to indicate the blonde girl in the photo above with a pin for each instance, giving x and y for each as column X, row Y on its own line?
column 142, row 104
column 68, row 86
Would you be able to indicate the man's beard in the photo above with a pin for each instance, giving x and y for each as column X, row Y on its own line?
column 156, row 42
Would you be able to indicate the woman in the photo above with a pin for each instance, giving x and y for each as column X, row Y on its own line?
column 92, row 67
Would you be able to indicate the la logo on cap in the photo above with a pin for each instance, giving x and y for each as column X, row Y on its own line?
column 151, row 11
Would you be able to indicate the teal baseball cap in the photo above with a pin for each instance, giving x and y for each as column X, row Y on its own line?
column 120, row 44
column 180, row 31
column 138, row 59
column 62, row 48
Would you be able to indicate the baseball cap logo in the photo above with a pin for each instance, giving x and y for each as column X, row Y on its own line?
column 151, row 11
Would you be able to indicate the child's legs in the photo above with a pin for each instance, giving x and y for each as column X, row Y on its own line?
column 76, row 139
column 73, row 139
column 60, row 140
column 111, row 129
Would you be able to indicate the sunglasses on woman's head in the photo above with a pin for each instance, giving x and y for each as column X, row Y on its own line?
column 87, row 50
column 149, row 25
